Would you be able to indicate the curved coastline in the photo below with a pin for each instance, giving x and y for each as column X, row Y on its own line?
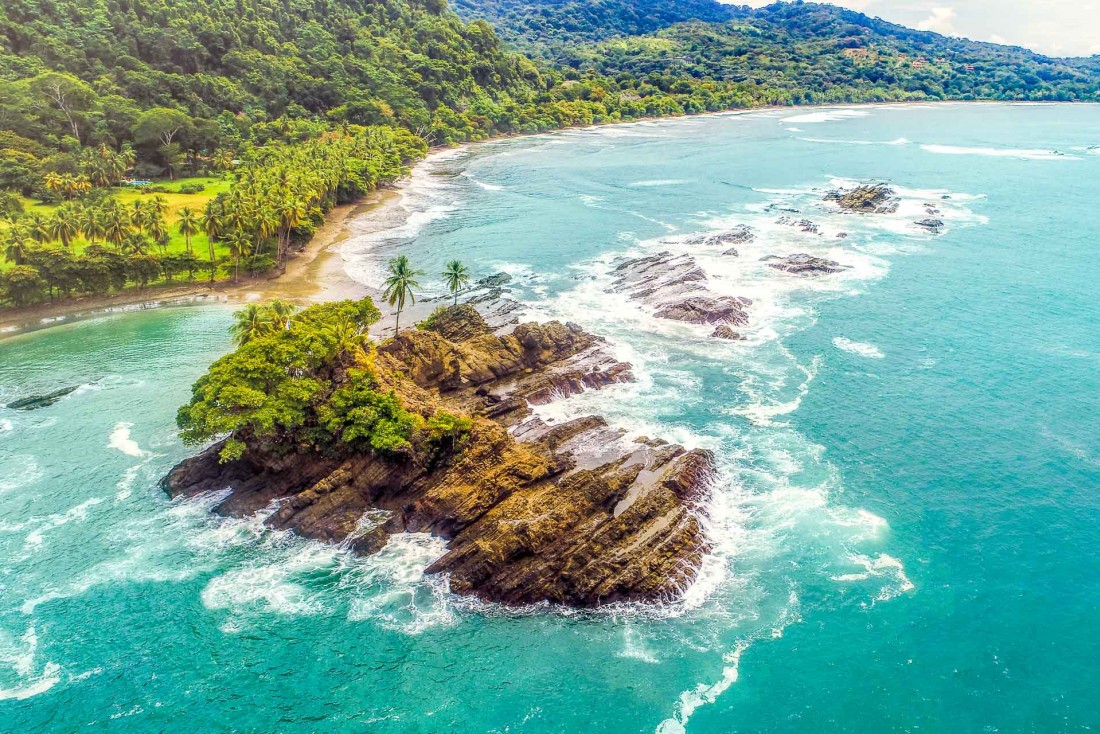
column 315, row 275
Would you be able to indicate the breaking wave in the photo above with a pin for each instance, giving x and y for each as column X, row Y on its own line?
column 1034, row 154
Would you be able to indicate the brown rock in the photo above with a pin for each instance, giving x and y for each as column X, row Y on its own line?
column 804, row 264
column 563, row 513
column 869, row 199
column 706, row 310
column 725, row 332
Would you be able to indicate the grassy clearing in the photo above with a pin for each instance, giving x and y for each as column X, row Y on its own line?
column 175, row 200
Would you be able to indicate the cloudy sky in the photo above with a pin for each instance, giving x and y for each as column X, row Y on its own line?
column 1053, row 27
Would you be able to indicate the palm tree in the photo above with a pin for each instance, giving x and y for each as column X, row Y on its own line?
column 281, row 312
column 238, row 245
column 399, row 286
column 16, row 249
column 456, row 275
column 213, row 227
column 292, row 213
column 188, row 224
column 254, row 320
column 116, row 226
column 266, row 224
column 91, row 223
column 159, row 206
column 54, row 183
column 39, row 228
column 64, row 225
column 134, row 243
column 158, row 231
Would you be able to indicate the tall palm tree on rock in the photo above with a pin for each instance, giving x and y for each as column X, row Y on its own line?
column 399, row 286
column 456, row 276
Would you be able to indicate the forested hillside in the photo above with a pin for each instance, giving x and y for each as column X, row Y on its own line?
column 538, row 25
column 285, row 108
column 806, row 52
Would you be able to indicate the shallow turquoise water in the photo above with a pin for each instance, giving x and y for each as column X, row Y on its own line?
column 904, row 529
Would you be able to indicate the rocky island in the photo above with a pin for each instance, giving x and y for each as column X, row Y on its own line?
column 433, row 431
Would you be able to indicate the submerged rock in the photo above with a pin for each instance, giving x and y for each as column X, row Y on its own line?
column 725, row 332
column 869, row 199
column 34, row 402
column 931, row 224
column 804, row 264
column 567, row 513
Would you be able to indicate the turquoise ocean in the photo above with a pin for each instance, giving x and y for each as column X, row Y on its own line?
column 905, row 527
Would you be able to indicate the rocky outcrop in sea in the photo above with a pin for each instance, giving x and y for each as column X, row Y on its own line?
column 675, row 286
column 867, row 199
column 802, row 263
column 532, row 511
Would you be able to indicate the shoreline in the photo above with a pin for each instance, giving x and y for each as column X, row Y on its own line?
column 315, row 274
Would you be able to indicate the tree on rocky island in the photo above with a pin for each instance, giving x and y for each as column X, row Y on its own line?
column 456, row 275
column 399, row 286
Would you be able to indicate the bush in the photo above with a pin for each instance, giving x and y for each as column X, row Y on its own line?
column 428, row 323
column 192, row 187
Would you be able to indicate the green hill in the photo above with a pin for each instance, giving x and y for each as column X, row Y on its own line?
column 808, row 52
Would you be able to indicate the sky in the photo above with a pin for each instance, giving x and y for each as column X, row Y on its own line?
column 1052, row 27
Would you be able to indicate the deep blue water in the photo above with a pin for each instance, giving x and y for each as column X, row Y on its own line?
column 905, row 525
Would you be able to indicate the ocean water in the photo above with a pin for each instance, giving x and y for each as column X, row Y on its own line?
column 904, row 527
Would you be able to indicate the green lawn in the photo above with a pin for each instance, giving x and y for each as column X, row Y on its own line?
column 176, row 201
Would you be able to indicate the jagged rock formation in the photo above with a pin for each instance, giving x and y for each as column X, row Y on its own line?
column 870, row 199
column 739, row 235
column 34, row 402
column 725, row 332
column 803, row 264
column 532, row 512
column 676, row 287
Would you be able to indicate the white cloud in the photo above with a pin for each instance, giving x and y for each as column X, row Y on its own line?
column 941, row 21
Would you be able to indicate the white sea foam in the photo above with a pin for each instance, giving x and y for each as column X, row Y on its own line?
column 881, row 568
column 863, row 349
column 482, row 184
column 829, row 115
column 704, row 693
column 272, row 586
column 78, row 513
column 6, row 426
column 19, row 657
column 659, row 182
column 896, row 141
column 19, row 471
column 390, row 587
column 120, row 440
column 1034, row 154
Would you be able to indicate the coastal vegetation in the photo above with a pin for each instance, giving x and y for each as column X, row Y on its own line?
column 304, row 381
column 108, row 239
column 162, row 141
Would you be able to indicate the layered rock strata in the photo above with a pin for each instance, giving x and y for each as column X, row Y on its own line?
column 676, row 288
column 566, row 513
